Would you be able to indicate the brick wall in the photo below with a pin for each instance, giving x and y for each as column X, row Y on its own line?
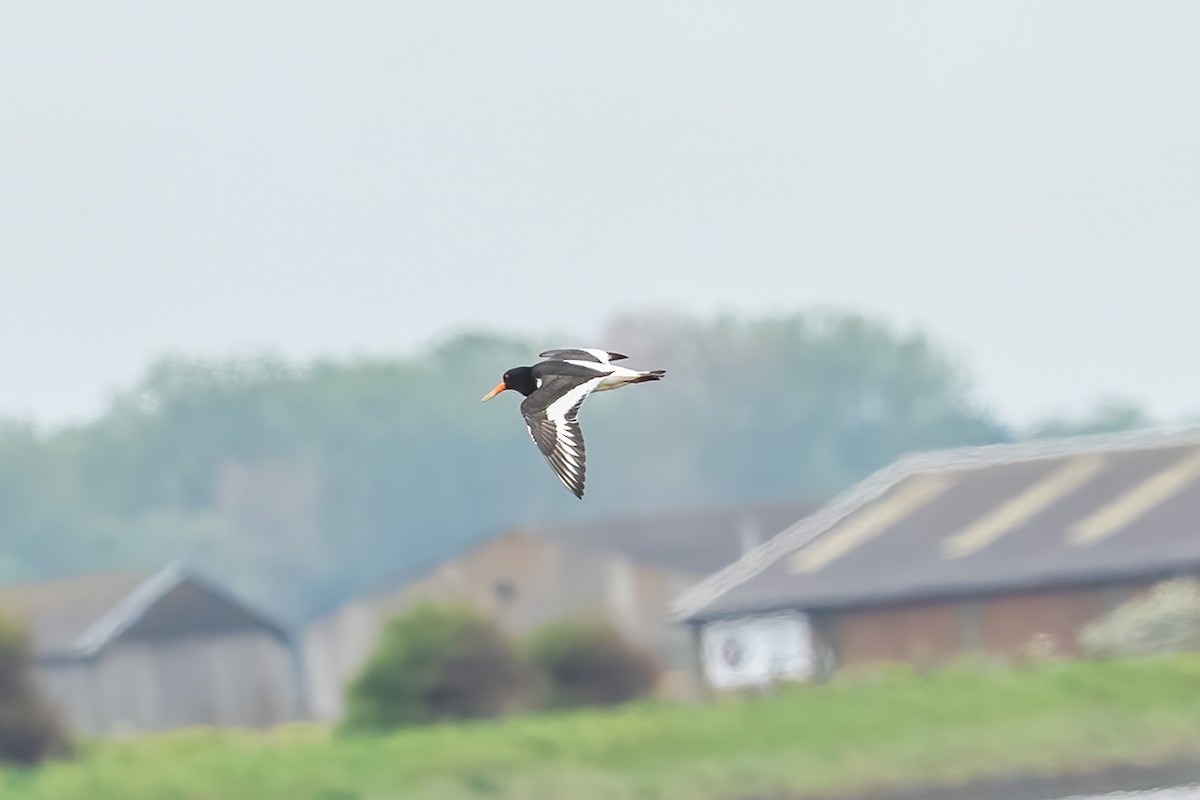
column 917, row 633
column 940, row 631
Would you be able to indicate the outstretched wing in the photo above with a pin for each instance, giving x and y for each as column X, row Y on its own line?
column 551, row 414
column 583, row 354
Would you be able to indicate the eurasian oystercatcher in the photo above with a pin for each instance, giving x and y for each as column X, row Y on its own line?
column 554, row 390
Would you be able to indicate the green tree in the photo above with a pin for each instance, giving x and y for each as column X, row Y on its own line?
column 590, row 664
column 29, row 729
column 436, row 664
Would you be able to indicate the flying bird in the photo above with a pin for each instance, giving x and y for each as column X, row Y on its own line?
column 554, row 390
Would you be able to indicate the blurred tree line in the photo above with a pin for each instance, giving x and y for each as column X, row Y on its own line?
column 299, row 484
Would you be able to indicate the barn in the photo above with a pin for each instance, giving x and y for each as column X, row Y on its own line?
column 123, row 652
column 975, row 550
column 623, row 571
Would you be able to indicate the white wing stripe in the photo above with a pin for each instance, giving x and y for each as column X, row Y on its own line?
column 558, row 410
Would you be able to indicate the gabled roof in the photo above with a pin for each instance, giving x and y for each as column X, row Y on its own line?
column 979, row 519
column 76, row 617
column 693, row 542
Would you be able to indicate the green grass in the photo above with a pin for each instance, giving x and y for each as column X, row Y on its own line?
column 897, row 728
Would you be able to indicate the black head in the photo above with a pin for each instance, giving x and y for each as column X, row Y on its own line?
column 519, row 379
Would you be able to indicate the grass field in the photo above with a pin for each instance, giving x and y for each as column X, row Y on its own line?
column 893, row 729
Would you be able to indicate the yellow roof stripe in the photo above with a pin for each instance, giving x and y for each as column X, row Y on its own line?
column 870, row 522
column 1127, row 508
column 1016, row 512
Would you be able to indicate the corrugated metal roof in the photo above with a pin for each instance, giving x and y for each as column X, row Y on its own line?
column 980, row 519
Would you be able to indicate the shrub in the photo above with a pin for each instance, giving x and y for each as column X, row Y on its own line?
column 1166, row 620
column 436, row 664
column 590, row 664
column 29, row 729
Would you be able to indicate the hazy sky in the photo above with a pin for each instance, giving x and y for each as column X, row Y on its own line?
column 1021, row 179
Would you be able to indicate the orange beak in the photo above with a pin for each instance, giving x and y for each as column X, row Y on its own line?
column 500, row 387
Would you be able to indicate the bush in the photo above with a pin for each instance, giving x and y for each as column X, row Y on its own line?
column 1166, row 620
column 29, row 729
column 436, row 664
column 590, row 664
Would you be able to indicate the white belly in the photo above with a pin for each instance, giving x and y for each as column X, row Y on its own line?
column 618, row 378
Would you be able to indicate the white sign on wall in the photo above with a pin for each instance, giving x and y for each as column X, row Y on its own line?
column 754, row 651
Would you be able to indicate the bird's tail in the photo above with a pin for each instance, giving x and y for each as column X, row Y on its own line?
column 652, row 375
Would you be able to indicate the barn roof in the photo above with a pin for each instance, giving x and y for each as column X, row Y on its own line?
column 696, row 542
column 972, row 520
column 78, row 616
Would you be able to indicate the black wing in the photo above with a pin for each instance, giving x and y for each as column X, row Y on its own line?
column 552, row 416
column 583, row 354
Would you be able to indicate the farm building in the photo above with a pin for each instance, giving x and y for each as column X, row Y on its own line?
column 625, row 572
column 976, row 550
column 119, row 651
